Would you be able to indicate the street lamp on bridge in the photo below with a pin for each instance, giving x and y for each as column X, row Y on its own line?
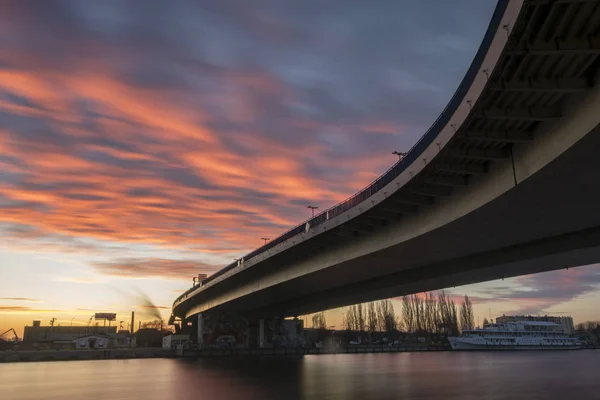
column 266, row 239
column 399, row 154
column 313, row 208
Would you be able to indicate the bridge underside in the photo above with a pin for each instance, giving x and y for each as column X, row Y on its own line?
column 564, row 219
column 461, row 218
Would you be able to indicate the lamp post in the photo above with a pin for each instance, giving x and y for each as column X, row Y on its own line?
column 266, row 239
column 399, row 154
column 313, row 208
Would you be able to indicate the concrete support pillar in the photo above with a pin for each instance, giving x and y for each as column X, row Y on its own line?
column 200, row 330
column 261, row 333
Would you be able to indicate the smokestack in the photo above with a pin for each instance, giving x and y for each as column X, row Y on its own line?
column 132, row 321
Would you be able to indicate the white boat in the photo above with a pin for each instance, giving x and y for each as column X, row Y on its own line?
column 519, row 335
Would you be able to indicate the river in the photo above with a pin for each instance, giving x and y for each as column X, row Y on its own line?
column 446, row 375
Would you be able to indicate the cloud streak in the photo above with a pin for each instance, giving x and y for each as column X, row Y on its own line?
column 153, row 267
column 539, row 293
column 116, row 129
column 26, row 310
column 27, row 299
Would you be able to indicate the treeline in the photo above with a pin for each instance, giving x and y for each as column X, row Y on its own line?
column 436, row 313
column 421, row 313
column 589, row 330
column 371, row 317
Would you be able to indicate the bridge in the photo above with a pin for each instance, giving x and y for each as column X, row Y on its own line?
column 504, row 183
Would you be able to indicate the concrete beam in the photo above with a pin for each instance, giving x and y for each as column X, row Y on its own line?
column 506, row 136
column 451, row 181
column 462, row 168
column 399, row 208
column 362, row 225
column 521, row 114
column 261, row 333
column 200, row 327
column 542, row 85
column 346, row 231
column 379, row 220
column 375, row 219
column 430, row 190
column 476, row 154
column 591, row 45
column 412, row 199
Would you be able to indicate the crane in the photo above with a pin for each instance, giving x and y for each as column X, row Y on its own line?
column 14, row 333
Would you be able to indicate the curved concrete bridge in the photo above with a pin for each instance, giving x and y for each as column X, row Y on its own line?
column 505, row 183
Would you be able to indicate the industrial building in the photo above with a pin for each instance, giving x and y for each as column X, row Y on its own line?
column 174, row 341
column 38, row 333
column 92, row 342
column 80, row 337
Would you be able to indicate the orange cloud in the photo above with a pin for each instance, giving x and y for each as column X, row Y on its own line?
column 153, row 267
column 146, row 166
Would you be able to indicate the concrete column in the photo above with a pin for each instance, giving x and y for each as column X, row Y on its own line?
column 261, row 333
column 200, row 330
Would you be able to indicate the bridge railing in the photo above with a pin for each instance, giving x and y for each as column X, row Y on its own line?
column 400, row 166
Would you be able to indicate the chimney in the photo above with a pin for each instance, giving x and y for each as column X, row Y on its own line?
column 132, row 321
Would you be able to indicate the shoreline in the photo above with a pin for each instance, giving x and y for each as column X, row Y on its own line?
column 155, row 352
column 80, row 355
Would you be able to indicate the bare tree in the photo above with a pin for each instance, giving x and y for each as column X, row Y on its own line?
column 318, row 321
column 408, row 315
column 387, row 317
column 448, row 320
column 361, row 318
column 371, row 317
column 467, row 318
column 431, row 313
column 350, row 320
column 420, row 316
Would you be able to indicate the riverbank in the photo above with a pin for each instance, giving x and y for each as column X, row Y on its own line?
column 72, row 355
column 310, row 350
column 115, row 354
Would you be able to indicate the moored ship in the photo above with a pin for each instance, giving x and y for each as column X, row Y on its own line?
column 518, row 335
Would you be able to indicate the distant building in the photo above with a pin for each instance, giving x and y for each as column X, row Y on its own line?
column 49, row 334
column 64, row 337
column 172, row 341
column 565, row 322
column 148, row 337
column 92, row 342
column 123, row 339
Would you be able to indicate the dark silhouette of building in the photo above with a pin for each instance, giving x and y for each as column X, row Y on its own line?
column 148, row 337
column 50, row 334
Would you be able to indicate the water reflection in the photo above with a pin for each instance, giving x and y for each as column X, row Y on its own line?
column 508, row 375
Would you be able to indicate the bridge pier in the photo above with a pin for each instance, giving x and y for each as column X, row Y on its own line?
column 230, row 330
column 261, row 333
column 200, row 330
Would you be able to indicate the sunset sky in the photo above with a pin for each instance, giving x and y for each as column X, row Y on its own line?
column 144, row 142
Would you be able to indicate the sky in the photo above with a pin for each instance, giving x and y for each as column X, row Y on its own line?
column 142, row 143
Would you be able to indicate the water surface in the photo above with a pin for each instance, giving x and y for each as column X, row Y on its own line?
column 502, row 375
